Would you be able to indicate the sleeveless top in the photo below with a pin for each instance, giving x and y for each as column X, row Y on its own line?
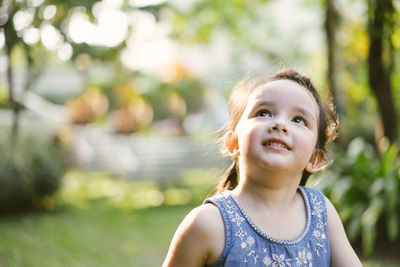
column 247, row 245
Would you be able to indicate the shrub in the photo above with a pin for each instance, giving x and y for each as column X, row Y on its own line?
column 365, row 189
column 30, row 173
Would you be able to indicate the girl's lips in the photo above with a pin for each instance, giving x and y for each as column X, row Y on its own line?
column 276, row 143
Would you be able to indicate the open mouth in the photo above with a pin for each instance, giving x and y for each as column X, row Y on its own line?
column 275, row 143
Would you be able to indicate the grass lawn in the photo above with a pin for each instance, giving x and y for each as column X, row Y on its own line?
column 96, row 226
column 95, row 236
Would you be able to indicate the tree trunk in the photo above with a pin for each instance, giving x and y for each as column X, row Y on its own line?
column 10, row 42
column 13, row 105
column 331, row 19
column 379, row 71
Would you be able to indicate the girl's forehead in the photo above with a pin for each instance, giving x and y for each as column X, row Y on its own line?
column 283, row 89
column 284, row 92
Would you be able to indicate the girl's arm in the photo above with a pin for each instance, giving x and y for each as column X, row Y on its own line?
column 199, row 240
column 342, row 253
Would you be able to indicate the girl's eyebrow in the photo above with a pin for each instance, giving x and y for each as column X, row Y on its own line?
column 298, row 109
column 264, row 103
column 305, row 112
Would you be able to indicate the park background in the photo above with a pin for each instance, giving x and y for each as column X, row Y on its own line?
column 110, row 110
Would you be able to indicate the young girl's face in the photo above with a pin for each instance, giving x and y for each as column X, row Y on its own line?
column 278, row 129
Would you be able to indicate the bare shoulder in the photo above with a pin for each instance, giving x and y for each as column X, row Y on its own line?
column 334, row 222
column 207, row 213
column 199, row 239
column 330, row 208
column 342, row 253
column 205, row 220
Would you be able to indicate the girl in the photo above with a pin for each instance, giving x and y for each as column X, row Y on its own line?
column 276, row 136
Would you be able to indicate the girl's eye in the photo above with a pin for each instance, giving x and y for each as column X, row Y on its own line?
column 299, row 120
column 263, row 113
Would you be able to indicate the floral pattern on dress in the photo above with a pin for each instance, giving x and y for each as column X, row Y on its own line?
column 319, row 231
column 304, row 256
column 267, row 261
column 280, row 261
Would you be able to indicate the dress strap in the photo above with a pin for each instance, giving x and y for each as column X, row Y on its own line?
column 319, row 217
column 221, row 201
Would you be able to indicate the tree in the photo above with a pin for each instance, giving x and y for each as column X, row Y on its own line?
column 11, row 41
column 330, row 26
column 14, row 38
column 380, row 63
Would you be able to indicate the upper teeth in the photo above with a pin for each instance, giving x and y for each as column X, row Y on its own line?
column 276, row 144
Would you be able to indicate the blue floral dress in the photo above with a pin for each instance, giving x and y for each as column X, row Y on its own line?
column 247, row 245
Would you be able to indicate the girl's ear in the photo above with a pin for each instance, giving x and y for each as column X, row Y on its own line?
column 231, row 144
column 316, row 159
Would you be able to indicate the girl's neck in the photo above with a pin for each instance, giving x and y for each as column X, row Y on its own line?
column 276, row 192
column 280, row 212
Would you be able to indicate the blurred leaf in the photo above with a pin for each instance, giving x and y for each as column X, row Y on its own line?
column 377, row 186
column 393, row 225
column 370, row 217
column 388, row 159
column 355, row 147
column 368, row 239
column 340, row 188
column 392, row 193
column 353, row 229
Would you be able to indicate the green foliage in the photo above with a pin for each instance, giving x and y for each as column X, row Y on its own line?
column 79, row 188
column 365, row 189
column 30, row 174
column 190, row 90
column 3, row 97
column 205, row 17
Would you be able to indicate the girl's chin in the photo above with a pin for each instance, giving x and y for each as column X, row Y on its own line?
column 274, row 165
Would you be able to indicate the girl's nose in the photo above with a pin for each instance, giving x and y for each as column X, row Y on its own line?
column 278, row 127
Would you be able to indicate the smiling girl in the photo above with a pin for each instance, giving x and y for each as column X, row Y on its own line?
column 262, row 214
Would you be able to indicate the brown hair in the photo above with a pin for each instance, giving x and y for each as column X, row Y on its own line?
column 327, row 124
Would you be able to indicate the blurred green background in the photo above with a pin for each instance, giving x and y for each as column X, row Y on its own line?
column 109, row 112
